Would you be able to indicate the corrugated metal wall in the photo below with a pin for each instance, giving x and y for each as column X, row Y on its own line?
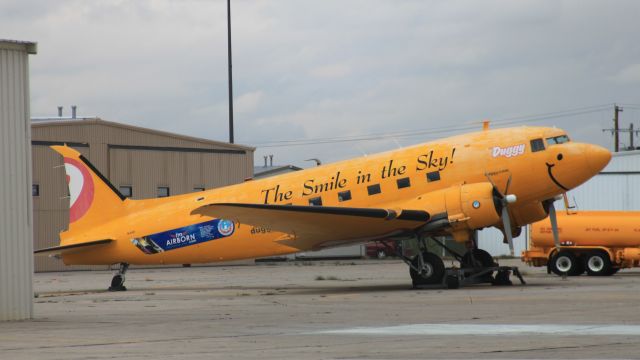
column 128, row 156
column 617, row 187
column 16, row 244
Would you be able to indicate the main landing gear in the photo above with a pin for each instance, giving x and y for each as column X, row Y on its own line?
column 427, row 269
column 117, row 283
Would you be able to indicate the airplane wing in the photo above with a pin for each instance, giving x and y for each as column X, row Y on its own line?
column 58, row 250
column 312, row 227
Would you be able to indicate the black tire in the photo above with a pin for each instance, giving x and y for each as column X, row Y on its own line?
column 433, row 270
column 117, row 283
column 502, row 278
column 481, row 257
column 564, row 263
column 598, row 264
column 579, row 268
column 452, row 282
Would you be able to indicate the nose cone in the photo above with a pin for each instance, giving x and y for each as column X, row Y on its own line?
column 597, row 157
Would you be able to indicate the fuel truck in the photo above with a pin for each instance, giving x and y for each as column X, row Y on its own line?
column 598, row 242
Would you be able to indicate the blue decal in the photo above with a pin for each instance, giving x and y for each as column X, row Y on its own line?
column 185, row 236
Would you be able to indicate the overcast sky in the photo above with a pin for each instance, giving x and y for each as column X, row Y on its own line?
column 324, row 69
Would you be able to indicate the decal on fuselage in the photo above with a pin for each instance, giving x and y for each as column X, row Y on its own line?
column 509, row 151
column 184, row 236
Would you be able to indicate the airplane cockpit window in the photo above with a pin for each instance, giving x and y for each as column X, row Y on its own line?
column 537, row 145
column 558, row 140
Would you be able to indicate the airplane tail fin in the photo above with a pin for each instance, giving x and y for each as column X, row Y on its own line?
column 93, row 199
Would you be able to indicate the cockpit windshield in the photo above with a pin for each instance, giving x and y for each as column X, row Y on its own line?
column 557, row 140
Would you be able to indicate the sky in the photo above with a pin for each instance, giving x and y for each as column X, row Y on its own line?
column 393, row 71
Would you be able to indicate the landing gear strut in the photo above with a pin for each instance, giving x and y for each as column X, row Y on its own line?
column 117, row 283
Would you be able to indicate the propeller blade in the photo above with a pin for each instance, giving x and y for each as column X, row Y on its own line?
column 554, row 225
column 493, row 184
column 507, row 228
column 506, row 188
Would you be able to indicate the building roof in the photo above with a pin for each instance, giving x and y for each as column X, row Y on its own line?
column 28, row 46
column 59, row 122
column 263, row 171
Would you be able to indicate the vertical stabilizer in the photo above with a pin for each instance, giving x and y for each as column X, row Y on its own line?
column 93, row 200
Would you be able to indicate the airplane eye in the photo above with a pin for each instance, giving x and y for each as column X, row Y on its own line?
column 559, row 156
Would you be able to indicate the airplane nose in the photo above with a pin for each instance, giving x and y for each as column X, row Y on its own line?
column 597, row 157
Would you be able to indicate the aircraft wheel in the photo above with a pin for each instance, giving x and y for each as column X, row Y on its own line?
column 452, row 282
column 482, row 259
column 117, row 283
column 598, row 264
column 564, row 263
column 502, row 278
column 432, row 270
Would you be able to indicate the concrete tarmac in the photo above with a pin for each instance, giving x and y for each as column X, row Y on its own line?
column 324, row 310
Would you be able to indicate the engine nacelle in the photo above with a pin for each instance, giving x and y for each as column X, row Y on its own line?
column 528, row 213
column 468, row 206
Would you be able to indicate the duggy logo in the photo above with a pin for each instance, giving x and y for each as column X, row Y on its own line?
column 81, row 188
column 509, row 151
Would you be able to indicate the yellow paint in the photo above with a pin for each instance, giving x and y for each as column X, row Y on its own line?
column 459, row 168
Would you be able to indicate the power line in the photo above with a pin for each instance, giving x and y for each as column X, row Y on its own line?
column 438, row 130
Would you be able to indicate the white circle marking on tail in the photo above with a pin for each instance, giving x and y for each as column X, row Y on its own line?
column 76, row 182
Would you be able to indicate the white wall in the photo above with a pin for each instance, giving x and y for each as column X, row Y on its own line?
column 16, row 228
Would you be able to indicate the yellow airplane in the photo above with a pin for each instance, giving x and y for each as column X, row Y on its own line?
column 505, row 178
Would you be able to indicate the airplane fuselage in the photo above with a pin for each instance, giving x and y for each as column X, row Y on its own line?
column 387, row 180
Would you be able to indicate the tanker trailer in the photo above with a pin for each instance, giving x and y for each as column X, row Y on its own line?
column 598, row 242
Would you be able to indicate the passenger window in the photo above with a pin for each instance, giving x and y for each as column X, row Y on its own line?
column 316, row 201
column 344, row 195
column 403, row 183
column 537, row 145
column 373, row 189
column 433, row 176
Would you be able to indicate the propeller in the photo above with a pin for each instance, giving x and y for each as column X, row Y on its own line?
column 504, row 198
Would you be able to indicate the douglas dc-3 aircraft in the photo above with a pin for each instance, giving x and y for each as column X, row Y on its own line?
column 501, row 177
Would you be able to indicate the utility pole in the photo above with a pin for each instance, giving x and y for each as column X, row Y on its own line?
column 616, row 128
column 631, row 147
column 230, row 76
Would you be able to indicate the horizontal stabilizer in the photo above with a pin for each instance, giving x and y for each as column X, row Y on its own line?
column 73, row 247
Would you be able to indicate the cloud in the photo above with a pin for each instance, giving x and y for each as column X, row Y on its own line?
column 248, row 102
column 628, row 75
column 330, row 71
column 329, row 68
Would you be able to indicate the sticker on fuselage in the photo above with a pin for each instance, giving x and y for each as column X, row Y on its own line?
column 184, row 236
column 509, row 151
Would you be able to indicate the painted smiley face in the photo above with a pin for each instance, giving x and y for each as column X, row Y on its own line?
column 81, row 188
column 553, row 178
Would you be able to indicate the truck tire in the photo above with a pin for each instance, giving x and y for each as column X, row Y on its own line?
column 433, row 270
column 564, row 263
column 598, row 264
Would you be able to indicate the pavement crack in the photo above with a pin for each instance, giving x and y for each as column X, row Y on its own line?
column 552, row 348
